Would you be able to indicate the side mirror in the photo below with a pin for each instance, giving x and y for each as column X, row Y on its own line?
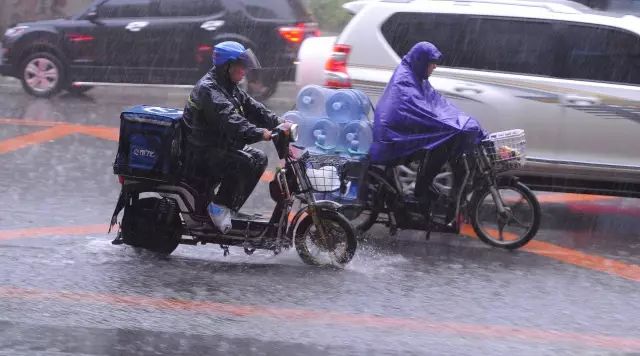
column 92, row 15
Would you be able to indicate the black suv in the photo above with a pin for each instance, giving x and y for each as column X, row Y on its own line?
column 154, row 42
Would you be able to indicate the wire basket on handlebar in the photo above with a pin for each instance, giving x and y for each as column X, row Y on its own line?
column 506, row 150
column 324, row 172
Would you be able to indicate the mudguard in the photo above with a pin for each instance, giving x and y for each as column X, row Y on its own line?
column 323, row 205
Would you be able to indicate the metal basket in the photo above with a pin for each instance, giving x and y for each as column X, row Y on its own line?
column 324, row 172
column 506, row 149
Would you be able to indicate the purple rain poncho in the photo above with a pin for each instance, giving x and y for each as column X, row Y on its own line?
column 411, row 115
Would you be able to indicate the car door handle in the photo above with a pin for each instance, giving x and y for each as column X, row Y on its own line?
column 578, row 100
column 468, row 88
column 136, row 26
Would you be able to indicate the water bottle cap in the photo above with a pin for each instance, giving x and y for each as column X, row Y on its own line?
column 317, row 132
column 351, row 136
column 337, row 105
column 307, row 100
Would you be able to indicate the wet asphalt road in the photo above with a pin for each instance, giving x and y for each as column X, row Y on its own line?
column 64, row 289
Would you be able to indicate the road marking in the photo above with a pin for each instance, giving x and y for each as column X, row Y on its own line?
column 37, row 137
column 326, row 317
column 53, row 231
column 564, row 198
column 573, row 257
column 105, row 133
column 30, row 122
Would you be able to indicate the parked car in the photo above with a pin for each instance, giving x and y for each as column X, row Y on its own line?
column 153, row 42
column 569, row 76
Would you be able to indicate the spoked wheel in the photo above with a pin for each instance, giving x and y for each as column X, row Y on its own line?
column 152, row 224
column 331, row 243
column 42, row 74
column 516, row 226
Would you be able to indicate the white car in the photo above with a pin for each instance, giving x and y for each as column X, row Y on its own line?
column 567, row 75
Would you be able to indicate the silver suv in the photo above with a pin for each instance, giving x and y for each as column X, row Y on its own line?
column 567, row 75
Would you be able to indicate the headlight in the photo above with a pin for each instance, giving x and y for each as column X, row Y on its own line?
column 15, row 31
column 293, row 131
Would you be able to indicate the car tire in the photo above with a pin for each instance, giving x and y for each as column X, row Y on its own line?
column 42, row 74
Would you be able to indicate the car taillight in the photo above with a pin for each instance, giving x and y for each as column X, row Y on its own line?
column 336, row 67
column 296, row 34
column 203, row 53
column 121, row 179
column 78, row 37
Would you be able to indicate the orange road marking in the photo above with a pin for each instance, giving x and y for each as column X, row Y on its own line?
column 105, row 133
column 561, row 198
column 30, row 122
column 523, row 334
column 33, row 138
column 53, row 231
column 573, row 257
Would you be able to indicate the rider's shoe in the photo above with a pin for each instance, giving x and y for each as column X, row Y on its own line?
column 220, row 216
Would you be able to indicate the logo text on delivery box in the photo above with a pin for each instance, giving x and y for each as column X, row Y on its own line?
column 144, row 153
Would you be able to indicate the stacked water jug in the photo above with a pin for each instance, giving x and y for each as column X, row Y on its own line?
column 333, row 121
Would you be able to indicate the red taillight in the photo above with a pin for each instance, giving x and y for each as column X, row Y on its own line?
column 336, row 67
column 292, row 34
column 203, row 52
column 77, row 37
column 121, row 179
column 296, row 34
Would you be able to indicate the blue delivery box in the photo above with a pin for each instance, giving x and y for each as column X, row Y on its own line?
column 150, row 143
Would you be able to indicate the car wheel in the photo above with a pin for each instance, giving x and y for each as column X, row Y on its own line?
column 42, row 74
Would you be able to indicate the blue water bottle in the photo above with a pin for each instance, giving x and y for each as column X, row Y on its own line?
column 311, row 100
column 325, row 134
column 356, row 138
column 347, row 105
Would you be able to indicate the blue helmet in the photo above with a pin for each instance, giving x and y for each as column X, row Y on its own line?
column 231, row 51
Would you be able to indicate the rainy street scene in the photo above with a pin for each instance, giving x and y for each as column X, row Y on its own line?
column 319, row 177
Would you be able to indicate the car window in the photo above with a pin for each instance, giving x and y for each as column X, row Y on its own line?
column 172, row 8
column 292, row 10
column 404, row 29
column 125, row 8
column 601, row 54
column 509, row 45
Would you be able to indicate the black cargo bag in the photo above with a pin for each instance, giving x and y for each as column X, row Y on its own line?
column 150, row 145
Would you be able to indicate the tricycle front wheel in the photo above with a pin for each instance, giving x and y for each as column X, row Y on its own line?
column 331, row 242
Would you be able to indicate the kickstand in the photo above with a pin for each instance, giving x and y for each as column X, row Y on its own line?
column 226, row 250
